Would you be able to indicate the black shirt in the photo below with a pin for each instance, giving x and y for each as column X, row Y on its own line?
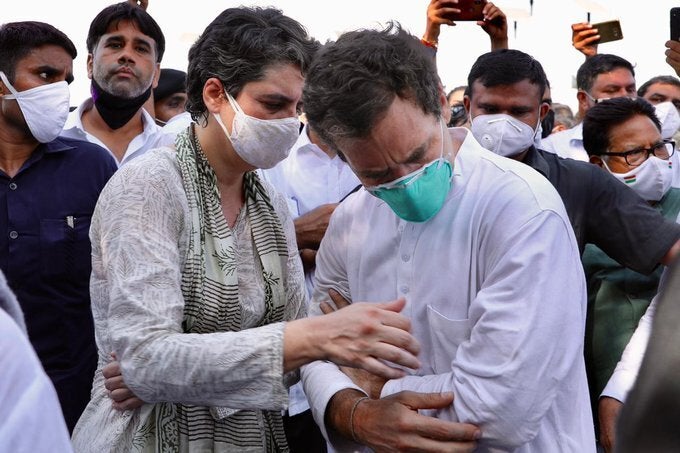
column 606, row 213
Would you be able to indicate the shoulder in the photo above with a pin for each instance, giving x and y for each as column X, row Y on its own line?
column 481, row 173
column 83, row 150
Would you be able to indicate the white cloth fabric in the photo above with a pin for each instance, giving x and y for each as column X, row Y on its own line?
column 138, row 308
column 309, row 178
column 148, row 139
column 496, row 295
column 567, row 144
column 30, row 414
column 177, row 124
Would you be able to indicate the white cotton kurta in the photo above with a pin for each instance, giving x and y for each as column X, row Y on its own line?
column 496, row 294
column 140, row 232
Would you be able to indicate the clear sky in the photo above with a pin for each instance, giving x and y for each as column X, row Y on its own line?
column 546, row 34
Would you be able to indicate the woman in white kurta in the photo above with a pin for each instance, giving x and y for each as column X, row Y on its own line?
column 196, row 283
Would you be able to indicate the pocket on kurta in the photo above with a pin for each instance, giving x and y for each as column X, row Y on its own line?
column 446, row 335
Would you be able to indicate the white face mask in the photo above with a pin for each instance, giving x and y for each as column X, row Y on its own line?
column 45, row 108
column 261, row 143
column 502, row 134
column 651, row 180
column 669, row 117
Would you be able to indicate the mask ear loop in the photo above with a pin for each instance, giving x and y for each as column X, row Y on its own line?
column 9, row 86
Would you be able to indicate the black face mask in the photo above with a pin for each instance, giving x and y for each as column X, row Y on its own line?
column 114, row 110
column 548, row 123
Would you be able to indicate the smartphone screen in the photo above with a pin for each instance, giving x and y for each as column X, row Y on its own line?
column 609, row 31
column 675, row 24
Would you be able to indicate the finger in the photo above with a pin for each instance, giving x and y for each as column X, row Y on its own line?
column 121, row 394
column 111, row 370
column 129, row 404
column 338, row 299
column 326, row 308
column 396, row 346
column 113, row 383
column 396, row 305
column 375, row 366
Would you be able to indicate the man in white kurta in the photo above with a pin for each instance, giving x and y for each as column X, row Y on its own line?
column 497, row 328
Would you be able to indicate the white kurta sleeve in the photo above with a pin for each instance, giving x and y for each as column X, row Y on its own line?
column 139, row 234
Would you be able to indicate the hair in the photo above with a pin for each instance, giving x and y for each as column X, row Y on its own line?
column 462, row 88
column 18, row 39
column 354, row 80
column 664, row 79
column 603, row 116
column 507, row 67
column 239, row 46
column 125, row 11
column 599, row 64
column 563, row 115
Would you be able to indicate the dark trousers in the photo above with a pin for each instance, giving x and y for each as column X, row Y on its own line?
column 302, row 433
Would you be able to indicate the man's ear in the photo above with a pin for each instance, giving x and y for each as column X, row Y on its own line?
column 545, row 108
column 466, row 104
column 90, row 62
column 597, row 160
column 156, row 76
column 582, row 98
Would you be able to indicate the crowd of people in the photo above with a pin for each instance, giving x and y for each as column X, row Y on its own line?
column 301, row 247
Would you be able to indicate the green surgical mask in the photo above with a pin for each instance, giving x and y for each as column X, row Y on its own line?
column 418, row 196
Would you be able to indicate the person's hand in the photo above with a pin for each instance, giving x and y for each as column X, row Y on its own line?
column 673, row 55
column 436, row 12
column 122, row 396
column 495, row 24
column 608, row 412
column 310, row 227
column 584, row 38
column 394, row 424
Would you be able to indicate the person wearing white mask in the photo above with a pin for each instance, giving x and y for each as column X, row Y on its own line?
column 197, row 285
column 505, row 107
column 663, row 92
column 624, row 137
column 48, row 190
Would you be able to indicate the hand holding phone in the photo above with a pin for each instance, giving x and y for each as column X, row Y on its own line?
column 609, row 31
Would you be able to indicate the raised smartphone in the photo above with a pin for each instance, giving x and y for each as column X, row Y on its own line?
column 609, row 31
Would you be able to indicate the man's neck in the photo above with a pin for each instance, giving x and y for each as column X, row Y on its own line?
column 15, row 151
column 116, row 140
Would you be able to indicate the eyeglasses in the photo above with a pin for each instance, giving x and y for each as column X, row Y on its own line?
column 663, row 150
column 596, row 101
column 599, row 100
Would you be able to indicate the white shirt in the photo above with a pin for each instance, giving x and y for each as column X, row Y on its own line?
column 496, row 296
column 30, row 416
column 567, row 144
column 309, row 178
column 148, row 139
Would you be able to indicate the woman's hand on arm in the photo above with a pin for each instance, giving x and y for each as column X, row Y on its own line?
column 360, row 335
